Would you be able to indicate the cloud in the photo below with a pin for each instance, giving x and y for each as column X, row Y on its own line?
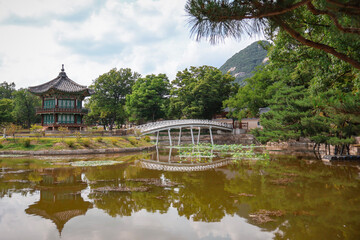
column 92, row 36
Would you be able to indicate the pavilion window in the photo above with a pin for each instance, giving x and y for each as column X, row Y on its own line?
column 78, row 104
column 49, row 103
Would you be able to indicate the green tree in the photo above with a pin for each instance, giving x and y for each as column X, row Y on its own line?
column 342, row 113
column 24, row 107
column 336, row 20
column 6, row 107
column 110, row 92
column 254, row 94
column 6, row 90
column 199, row 92
column 283, row 122
column 148, row 98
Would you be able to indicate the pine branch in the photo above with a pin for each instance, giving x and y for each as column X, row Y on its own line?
column 316, row 45
column 344, row 5
column 315, row 11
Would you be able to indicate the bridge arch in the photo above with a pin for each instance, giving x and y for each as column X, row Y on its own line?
column 156, row 127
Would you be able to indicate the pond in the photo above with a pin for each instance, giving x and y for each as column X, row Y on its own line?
column 159, row 195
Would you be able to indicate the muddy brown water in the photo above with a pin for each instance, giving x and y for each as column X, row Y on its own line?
column 287, row 197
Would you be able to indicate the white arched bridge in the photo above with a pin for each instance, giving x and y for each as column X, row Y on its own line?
column 157, row 127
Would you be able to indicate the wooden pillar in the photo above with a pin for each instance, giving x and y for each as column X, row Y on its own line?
column 42, row 119
column 43, row 99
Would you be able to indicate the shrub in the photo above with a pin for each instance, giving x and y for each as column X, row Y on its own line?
column 70, row 143
column 37, row 130
column 86, row 142
column 133, row 141
column 78, row 137
column 26, row 142
column 99, row 139
column 63, row 131
column 1, row 146
column 147, row 138
column 114, row 141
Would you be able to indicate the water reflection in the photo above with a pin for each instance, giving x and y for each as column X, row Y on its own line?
column 60, row 196
column 304, row 190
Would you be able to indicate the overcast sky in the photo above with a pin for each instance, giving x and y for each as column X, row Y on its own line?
column 93, row 36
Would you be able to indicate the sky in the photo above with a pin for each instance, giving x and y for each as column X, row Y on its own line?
column 90, row 37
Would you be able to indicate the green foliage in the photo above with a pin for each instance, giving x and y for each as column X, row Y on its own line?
column 133, row 141
column 199, row 92
column 37, row 130
column 147, row 100
column 114, row 141
column 108, row 101
column 70, row 143
column 146, row 138
column 63, row 131
column 78, row 136
column 288, row 106
column 6, row 107
column 318, row 24
column 6, row 90
column 243, row 63
column 86, row 142
column 26, row 142
column 99, row 139
column 24, row 107
column 254, row 94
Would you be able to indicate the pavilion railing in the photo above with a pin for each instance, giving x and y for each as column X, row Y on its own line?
column 62, row 110
column 174, row 123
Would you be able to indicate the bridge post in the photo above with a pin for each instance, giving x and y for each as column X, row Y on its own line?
column 192, row 135
column 198, row 140
column 157, row 138
column 170, row 154
column 169, row 137
column 211, row 137
column 179, row 137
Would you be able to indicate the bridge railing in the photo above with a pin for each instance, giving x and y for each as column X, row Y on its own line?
column 174, row 123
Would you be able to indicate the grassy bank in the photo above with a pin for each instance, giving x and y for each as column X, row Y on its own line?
column 34, row 144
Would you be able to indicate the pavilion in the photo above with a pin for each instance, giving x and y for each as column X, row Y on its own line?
column 61, row 102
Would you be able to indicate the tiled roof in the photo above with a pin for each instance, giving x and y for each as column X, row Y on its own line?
column 61, row 83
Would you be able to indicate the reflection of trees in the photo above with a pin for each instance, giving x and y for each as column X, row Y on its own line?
column 203, row 197
column 318, row 200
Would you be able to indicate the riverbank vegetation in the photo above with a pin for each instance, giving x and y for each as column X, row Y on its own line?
column 73, row 143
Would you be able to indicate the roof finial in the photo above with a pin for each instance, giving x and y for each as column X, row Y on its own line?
column 62, row 69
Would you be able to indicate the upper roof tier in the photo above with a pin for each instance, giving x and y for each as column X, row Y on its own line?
column 61, row 83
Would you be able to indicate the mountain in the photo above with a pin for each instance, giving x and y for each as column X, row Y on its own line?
column 243, row 63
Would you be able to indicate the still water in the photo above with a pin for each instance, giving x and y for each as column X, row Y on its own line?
column 286, row 197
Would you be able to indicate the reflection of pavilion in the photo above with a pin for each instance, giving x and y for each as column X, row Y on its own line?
column 61, row 200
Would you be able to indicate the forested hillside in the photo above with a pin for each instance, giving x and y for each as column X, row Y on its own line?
column 243, row 63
